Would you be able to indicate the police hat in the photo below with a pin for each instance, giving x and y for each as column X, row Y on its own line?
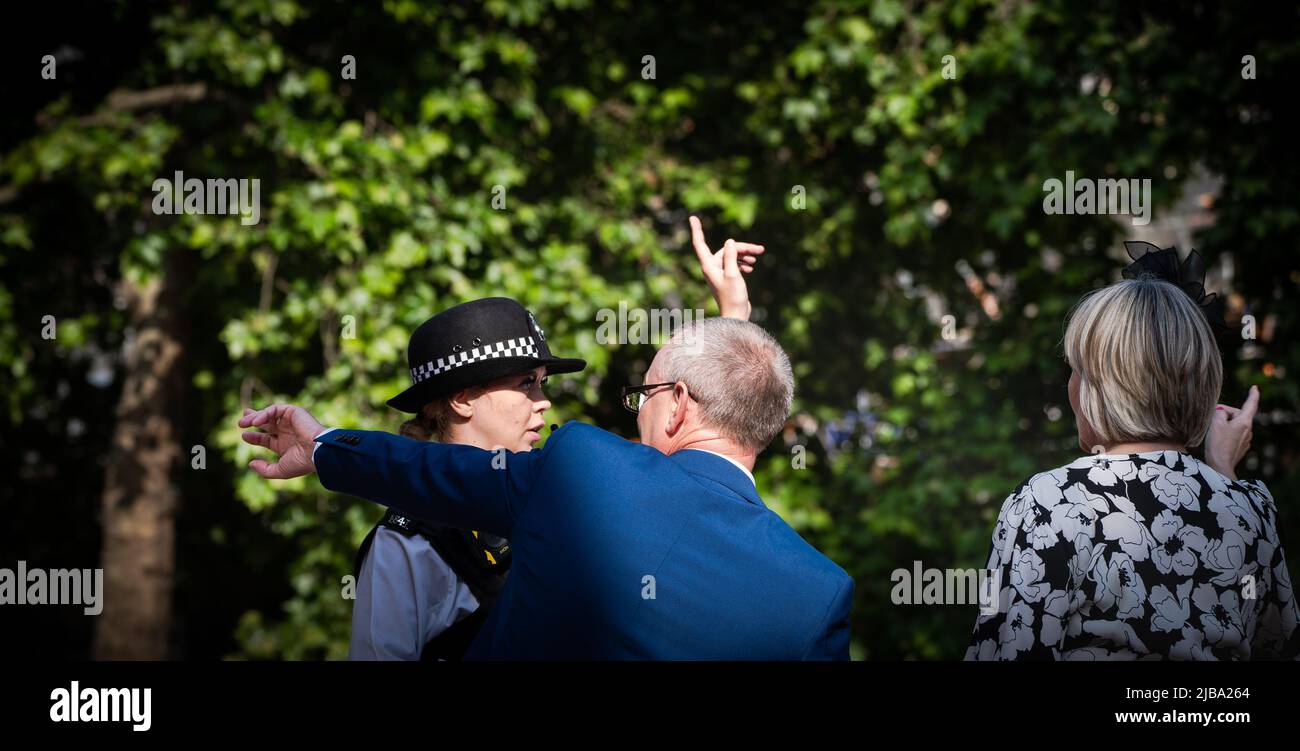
column 471, row 344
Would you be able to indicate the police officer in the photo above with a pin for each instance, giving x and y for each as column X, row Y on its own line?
column 477, row 374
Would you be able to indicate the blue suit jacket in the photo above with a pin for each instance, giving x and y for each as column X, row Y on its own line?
column 618, row 550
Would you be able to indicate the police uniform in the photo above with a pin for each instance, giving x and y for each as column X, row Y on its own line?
column 424, row 589
column 412, row 603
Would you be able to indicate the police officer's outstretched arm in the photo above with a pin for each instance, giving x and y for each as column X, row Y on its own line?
column 462, row 486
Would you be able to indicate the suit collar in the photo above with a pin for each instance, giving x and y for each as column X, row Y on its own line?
column 734, row 463
column 721, row 470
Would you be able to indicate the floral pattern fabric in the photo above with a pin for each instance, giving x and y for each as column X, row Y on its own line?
column 1139, row 556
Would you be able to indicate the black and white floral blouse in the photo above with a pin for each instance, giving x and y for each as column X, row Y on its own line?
column 1138, row 556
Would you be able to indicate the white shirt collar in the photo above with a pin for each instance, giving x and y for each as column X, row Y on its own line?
column 742, row 468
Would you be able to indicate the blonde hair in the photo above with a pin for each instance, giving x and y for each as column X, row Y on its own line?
column 1148, row 365
column 431, row 424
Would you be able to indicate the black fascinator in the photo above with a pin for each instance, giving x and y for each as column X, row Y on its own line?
column 1152, row 262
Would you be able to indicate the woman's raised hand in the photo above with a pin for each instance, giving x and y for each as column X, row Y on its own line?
column 1230, row 434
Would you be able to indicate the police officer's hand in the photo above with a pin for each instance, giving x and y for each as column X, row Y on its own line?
column 288, row 431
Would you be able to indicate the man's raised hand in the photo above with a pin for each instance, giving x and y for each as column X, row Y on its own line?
column 288, row 431
column 724, row 270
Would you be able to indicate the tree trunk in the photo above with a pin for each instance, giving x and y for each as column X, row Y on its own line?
column 141, row 496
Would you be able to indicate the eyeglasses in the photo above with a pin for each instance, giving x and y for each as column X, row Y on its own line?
column 635, row 396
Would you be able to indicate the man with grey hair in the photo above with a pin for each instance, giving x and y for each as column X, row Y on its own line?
column 729, row 377
column 656, row 550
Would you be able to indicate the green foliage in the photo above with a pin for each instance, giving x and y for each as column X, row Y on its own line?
column 377, row 205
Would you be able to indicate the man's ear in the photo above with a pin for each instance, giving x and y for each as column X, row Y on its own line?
column 681, row 402
column 462, row 402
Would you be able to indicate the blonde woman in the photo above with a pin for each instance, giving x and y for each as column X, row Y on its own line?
column 1139, row 550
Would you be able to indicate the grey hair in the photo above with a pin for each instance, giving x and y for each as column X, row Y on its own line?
column 738, row 374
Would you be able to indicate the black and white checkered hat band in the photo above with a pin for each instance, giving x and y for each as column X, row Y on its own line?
column 521, row 347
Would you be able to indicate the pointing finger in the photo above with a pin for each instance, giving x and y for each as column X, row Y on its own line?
column 697, row 239
column 1251, row 406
